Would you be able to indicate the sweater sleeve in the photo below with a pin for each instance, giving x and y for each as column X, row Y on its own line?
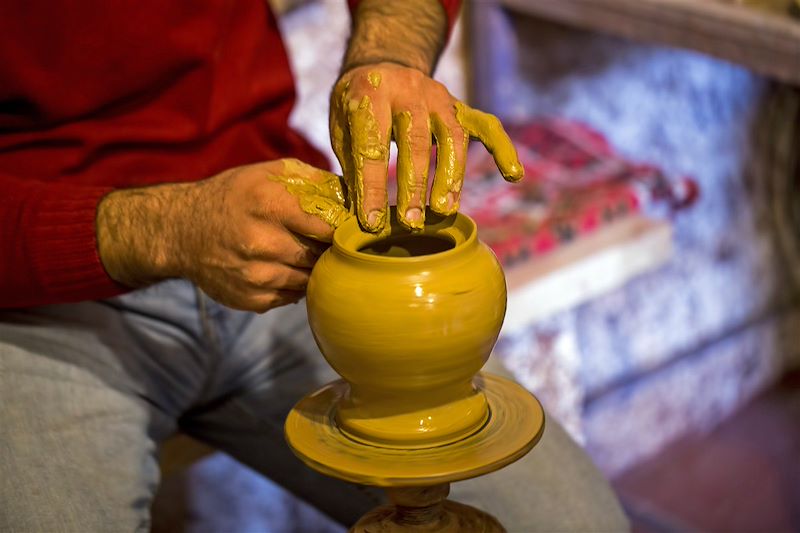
column 451, row 8
column 48, row 244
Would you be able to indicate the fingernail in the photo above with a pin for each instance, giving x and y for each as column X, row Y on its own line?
column 516, row 172
column 374, row 217
column 452, row 200
column 414, row 216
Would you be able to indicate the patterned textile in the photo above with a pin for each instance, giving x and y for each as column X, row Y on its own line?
column 574, row 184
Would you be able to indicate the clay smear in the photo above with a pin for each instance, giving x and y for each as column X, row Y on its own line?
column 488, row 129
column 322, row 197
column 374, row 79
column 367, row 144
column 409, row 189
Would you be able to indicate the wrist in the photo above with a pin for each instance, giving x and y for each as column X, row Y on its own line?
column 411, row 33
column 136, row 238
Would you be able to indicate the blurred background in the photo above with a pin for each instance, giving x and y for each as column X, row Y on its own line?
column 652, row 252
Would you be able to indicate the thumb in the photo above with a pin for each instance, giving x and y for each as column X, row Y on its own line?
column 321, row 217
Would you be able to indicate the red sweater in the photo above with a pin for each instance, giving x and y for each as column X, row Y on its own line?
column 123, row 94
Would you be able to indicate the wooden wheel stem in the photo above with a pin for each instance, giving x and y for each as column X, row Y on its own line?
column 425, row 509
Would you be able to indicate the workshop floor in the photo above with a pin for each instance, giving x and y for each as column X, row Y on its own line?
column 742, row 476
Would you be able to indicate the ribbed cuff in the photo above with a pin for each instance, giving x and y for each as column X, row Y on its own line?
column 58, row 245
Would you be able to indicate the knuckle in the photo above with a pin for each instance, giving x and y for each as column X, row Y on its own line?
column 250, row 276
column 375, row 196
column 418, row 110
column 419, row 139
column 414, row 75
column 439, row 92
column 248, row 242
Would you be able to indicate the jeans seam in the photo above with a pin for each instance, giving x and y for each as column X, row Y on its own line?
column 212, row 340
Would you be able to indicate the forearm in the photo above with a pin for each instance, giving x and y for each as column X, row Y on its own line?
column 136, row 233
column 410, row 33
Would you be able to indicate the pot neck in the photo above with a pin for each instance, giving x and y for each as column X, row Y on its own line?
column 441, row 239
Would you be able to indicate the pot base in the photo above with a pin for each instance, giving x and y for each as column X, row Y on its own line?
column 515, row 424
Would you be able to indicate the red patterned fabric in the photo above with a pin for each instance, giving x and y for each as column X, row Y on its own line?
column 574, row 184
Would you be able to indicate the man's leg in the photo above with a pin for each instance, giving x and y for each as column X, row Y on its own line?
column 554, row 488
column 271, row 362
column 82, row 410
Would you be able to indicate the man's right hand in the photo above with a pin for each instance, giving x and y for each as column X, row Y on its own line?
column 247, row 237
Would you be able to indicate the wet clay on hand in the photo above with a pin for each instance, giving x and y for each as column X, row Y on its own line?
column 321, row 196
column 373, row 105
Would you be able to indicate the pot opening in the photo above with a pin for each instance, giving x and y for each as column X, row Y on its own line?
column 409, row 246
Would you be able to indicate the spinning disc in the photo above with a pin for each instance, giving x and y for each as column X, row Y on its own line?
column 515, row 424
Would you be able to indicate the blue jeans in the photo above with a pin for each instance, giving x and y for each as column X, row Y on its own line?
column 89, row 391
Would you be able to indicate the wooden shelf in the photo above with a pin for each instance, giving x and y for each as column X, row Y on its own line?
column 763, row 41
column 578, row 272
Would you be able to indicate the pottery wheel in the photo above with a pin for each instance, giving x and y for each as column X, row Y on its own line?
column 515, row 424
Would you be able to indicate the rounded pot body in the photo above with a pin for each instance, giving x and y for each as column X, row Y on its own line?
column 408, row 320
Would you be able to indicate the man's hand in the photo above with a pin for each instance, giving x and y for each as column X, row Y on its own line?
column 374, row 104
column 248, row 237
column 386, row 94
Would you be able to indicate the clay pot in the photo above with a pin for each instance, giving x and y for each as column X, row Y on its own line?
column 408, row 320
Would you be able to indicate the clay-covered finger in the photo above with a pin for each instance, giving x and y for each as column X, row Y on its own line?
column 303, row 179
column 340, row 133
column 320, row 197
column 451, row 152
column 370, row 127
column 489, row 130
column 319, row 216
column 413, row 137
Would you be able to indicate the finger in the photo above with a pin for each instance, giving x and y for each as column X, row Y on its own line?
column 248, row 297
column 370, row 126
column 317, row 218
column 273, row 276
column 488, row 129
column 282, row 277
column 262, row 303
column 302, row 178
column 280, row 246
column 340, row 135
column 451, row 152
column 316, row 247
column 412, row 134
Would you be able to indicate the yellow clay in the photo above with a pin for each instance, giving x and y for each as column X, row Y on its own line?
column 367, row 143
column 408, row 189
column 408, row 319
column 514, row 427
column 488, row 129
column 449, row 174
column 322, row 197
column 374, row 79
column 414, row 331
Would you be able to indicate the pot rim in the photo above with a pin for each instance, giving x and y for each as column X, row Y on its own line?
column 459, row 228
